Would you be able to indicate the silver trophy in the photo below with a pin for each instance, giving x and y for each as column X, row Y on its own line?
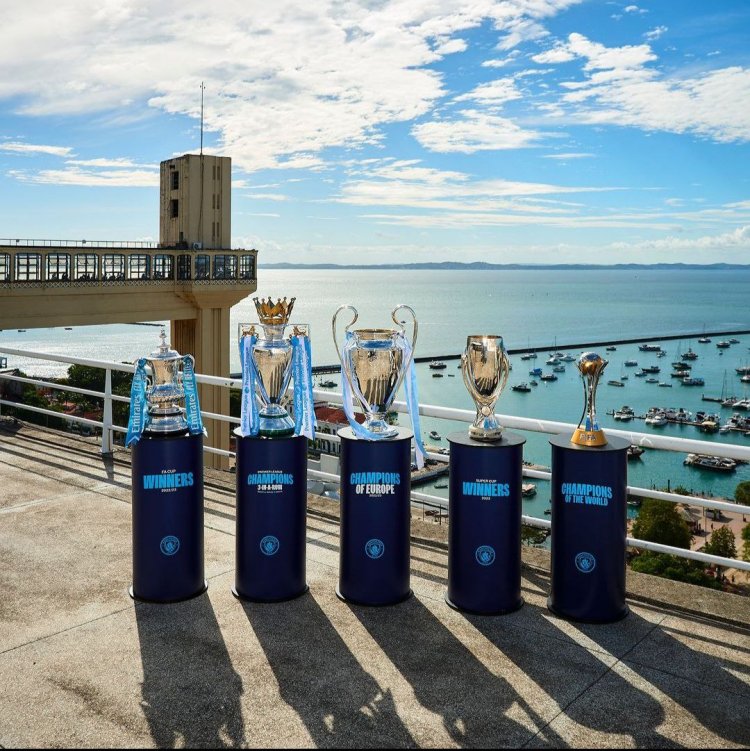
column 485, row 369
column 165, row 391
column 373, row 362
column 272, row 355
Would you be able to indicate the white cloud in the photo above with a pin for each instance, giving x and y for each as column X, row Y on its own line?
column 123, row 178
column 284, row 81
column 19, row 147
column 492, row 93
column 557, row 54
column 472, row 131
column 569, row 155
column 620, row 89
column 737, row 238
column 634, row 9
column 655, row 33
column 119, row 163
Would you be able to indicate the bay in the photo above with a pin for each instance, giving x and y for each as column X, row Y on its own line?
column 528, row 308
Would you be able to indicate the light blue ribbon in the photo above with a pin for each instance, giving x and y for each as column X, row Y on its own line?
column 304, row 403
column 412, row 400
column 192, row 405
column 249, row 416
column 138, row 418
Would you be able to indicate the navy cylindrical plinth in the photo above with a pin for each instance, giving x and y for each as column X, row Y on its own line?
column 589, row 529
column 484, row 524
column 167, row 492
column 271, row 518
column 375, row 519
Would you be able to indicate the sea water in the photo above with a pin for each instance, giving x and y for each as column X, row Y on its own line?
column 528, row 308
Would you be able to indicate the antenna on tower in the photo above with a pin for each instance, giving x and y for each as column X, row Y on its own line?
column 203, row 88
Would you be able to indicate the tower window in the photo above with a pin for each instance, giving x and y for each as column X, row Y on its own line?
column 174, row 209
column 175, row 179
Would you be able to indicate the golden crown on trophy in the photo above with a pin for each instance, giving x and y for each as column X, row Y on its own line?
column 274, row 313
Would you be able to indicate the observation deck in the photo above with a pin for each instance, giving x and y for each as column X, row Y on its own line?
column 83, row 665
column 99, row 282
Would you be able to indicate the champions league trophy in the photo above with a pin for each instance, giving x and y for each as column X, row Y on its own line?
column 485, row 369
column 268, row 365
column 167, row 478
column 271, row 465
column 374, row 362
column 376, row 461
column 588, row 433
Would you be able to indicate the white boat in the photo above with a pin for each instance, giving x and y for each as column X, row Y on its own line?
column 704, row 340
column 649, row 347
column 665, row 385
column 693, row 381
column 615, row 382
column 435, row 435
column 552, row 361
column 652, row 380
column 631, row 363
column 657, row 419
column 437, row 365
column 716, row 463
column 568, row 358
column 723, row 344
column 559, row 368
column 625, row 414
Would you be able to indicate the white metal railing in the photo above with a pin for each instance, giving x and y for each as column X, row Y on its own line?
column 666, row 443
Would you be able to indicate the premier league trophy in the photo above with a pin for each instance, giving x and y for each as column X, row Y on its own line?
column 376, row 461
column 271, row 466
column 588, row 433
column 589, row 514
column 486, row 465
column 167, row 478
column 485, row 369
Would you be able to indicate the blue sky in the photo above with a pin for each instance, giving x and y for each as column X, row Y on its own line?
column 414, row 130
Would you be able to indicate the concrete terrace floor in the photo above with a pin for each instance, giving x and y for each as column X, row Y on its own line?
column 83, row 665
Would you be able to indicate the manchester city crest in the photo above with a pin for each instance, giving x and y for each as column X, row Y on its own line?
column 269, row 545
column 585, row 563
column 374, row 548
column 169, row 545
column 485, row 555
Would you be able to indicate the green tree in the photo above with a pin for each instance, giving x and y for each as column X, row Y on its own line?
column 742, row 493
column 93, row 379
column 746, row 543
column 533, row 535
column 721, row 543
column 660, row 521
column 673, row 567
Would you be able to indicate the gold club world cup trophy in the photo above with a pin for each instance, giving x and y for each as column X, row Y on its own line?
column 485, row 369
column 588, row 433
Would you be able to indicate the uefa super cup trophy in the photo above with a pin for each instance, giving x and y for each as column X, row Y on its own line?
column 485, row 369
column 271, row 366
column 588, row 433
column 374, row 363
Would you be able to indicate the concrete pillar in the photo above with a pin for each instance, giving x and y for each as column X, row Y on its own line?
column 206, row 337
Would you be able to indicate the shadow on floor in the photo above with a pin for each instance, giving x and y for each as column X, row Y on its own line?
column 190, row 692
column 340, row 703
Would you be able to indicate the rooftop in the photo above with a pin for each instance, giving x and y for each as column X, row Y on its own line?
column 81, row 664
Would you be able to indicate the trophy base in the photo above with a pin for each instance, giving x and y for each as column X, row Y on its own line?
column 485, row 436
column 380, row 429
column 275, row 426
column 583, row 437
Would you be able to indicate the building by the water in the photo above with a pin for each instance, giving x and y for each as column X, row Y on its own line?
column 191, row 277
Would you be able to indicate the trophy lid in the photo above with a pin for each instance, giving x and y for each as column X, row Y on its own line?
column 274, row 313
column 163, row 352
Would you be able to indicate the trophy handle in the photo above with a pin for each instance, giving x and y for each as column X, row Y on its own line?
column 401, row 324
column 469, row 381
column 346, row 329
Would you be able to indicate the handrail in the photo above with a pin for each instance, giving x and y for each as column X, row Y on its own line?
column 510, row 421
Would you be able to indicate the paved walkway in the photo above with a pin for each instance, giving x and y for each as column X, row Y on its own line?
column 82, row 665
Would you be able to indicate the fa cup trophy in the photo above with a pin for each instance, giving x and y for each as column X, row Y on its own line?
column 167, row 478
column 155, row 401
column 268, row 364
column 485, row 369
column 588, row 433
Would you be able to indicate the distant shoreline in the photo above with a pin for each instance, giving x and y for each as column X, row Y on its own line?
column 483, row 266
